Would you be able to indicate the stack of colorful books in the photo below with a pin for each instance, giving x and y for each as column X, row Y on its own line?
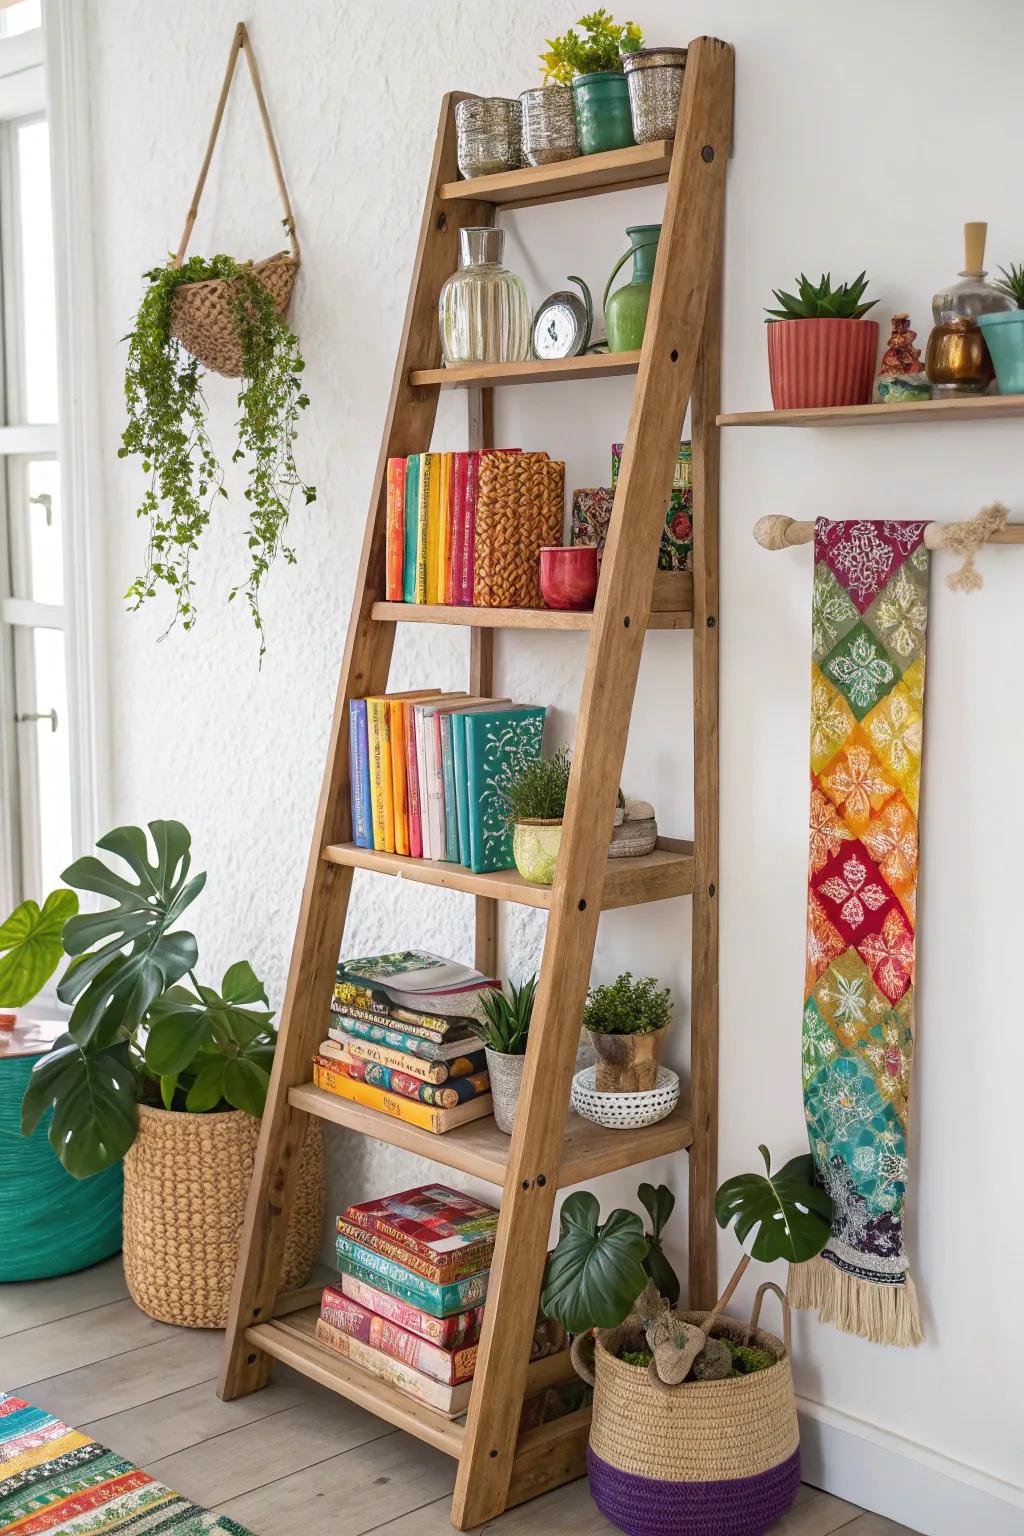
column 401, row 1039
column 431, row 527
column 409, row 1309
column 426, row 772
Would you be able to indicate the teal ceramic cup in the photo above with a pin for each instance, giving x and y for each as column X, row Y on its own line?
column 603, row 117
column 1004, row 336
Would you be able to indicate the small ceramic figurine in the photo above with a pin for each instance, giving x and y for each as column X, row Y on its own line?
column 901, row 375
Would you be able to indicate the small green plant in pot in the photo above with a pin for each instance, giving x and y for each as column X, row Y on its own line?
column 505, row 1034
column 591, row 62
column 534, row 797
column 627, row 1022
column 1003, row 331
column 821, row 350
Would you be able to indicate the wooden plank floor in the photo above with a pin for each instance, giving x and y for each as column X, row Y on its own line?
column 293, row 1457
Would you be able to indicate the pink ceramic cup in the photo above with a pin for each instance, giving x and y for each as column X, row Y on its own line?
column 568, row 576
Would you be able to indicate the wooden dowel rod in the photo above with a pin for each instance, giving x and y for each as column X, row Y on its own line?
column 794, row 532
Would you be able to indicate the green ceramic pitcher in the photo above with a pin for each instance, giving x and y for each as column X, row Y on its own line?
column 625, row 311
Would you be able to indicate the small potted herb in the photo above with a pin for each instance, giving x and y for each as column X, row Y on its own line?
column 591, row 62
column 1004, row 333
column 627, row 1022
column 534, row 801
column 504, row 1035
column 821, row 351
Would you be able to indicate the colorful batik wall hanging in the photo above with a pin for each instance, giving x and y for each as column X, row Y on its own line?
column 869, row 619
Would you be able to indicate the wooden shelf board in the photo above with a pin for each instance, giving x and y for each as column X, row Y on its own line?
column 657, row 876
column 511, row 618
column 480, row 1149
column 562, row 370
column 956, row 408
column 583, row 176
column 292, row 1340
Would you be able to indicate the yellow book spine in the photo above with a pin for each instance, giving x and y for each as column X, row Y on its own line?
column 399, row 789
column 443, row 525
column 327, row 1077
column 433, row 512
column 381, row 795
column 422, row 541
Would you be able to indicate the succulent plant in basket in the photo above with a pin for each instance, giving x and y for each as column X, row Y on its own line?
column 627, row 1022
column 533, row 798
column 828, row 357
column 505, row 1034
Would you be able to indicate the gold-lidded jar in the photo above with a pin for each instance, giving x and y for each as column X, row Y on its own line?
column 957, row 360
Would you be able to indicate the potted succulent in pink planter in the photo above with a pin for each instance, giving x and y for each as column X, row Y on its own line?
column 821, row 351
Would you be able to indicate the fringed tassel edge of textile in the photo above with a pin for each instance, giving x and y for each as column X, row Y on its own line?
column 885, row 1314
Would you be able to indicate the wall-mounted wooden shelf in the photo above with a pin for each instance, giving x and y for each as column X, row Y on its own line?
column 638, row 166
column 562, row 370
column 956, row 408
column 514, row 618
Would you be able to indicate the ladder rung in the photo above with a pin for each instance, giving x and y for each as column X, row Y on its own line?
column 562, row 370
column 638, row 166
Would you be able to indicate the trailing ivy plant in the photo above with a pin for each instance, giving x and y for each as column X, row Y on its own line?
column 143, row 1027
column 167, row 431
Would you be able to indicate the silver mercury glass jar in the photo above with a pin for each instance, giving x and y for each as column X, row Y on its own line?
column 489, row 132
column 655, row 79
column 549, row 125
column 483, row 311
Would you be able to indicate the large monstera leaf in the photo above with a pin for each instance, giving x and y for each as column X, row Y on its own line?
column 31, row 939
column 792, row 1214
column 113, row 990
column 659, row 1204
column 93, row 1094
column 596, row 1272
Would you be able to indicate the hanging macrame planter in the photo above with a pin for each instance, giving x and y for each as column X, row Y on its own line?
column 203, row 314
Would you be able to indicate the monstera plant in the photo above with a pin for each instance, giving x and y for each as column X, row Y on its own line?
column 143, row 1028
column 598, row 1270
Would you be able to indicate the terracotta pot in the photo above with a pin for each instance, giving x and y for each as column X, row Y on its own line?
column 815, row 363
column 568, row 576
column 627, row 1063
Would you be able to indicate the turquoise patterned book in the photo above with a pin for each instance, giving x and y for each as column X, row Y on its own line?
column 412, row 503
column 497, row 742
column 438, row 1300
column 461, row 786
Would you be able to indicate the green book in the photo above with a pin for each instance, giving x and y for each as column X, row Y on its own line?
column 412, row 507
column 461, row 786
column 426, row 469
column 451, row 831
column 497, row 742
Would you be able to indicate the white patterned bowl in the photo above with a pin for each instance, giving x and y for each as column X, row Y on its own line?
column 622, row 1111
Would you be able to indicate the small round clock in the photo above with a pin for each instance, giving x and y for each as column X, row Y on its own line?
column 562, row 324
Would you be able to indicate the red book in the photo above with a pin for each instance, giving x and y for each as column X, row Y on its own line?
column 435, row 1222
column 453, row 577
column 457, row 1331
column 448, row 1365
column 394, row 563
column 412, row 783
column 467, row 531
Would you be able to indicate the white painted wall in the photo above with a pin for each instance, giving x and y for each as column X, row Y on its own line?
column 865, row 136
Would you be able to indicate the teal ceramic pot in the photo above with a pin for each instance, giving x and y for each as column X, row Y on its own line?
column 603, row 118
column 625, row 310
column 1004, row 336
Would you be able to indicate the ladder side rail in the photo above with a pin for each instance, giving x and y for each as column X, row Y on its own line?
column 321, row 920
column 667, row 369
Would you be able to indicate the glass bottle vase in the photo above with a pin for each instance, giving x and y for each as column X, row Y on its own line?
column 483, row 311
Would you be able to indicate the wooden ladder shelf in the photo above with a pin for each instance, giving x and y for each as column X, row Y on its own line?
column 679, row 363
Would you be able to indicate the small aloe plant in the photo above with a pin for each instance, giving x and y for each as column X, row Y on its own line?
column 1013, row 283
column 822, row 301
column 508, row 1018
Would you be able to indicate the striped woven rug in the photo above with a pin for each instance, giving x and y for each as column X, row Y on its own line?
column 54, row 1479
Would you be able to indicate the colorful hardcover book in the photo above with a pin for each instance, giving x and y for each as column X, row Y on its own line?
column 440, row 1300
column 422, row 525
column 449, row 1366
column 432, row 1220
column 451, row 825
column 444, row 481
column 458, row 1331
column 412, row 783
column 450, row 1401
column 412, row 502
column 403, row 1289
column 467, row 532
column 461, row 786
column 327, row 1076
column 378, row 734
column 434, row 477
column 436, row 1072
column 359, row 774
column 380, row 1032
column 434, row 782
column 418, row 980
column 419, row 728
column 497, row 744
column 456, row 516
column 441, row 1095
column 394, row 534
column 399, row 790
column 454, row 1269
column 426, row 1025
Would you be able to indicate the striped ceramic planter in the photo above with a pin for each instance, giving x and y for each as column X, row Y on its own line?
column 708, row 1458
column 813, row 363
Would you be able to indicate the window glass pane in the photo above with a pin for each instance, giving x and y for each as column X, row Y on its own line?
column 38, row 392
column 45, row 540
column 53, row 772
column 23, row 16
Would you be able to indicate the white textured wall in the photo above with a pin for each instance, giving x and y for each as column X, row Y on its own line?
column 864, row 138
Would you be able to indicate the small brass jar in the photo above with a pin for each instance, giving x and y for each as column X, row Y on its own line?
column 957, row 360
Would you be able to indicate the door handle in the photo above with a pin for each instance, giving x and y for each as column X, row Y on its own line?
column 43, row 714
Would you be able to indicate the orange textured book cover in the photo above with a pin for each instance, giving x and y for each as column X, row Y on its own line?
column 394, row 541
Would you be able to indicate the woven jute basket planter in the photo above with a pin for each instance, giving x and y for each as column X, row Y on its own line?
column 203, row 316
column 186, row 1178
column 707, row 1458
column 520, row 509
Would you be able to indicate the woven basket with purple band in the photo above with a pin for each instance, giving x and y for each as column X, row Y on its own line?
column 707, row 1458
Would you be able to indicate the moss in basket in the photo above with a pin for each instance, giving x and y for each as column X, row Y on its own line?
column 628, row 1007
column 167, row 431
column 536, row 791
column 641, row 1357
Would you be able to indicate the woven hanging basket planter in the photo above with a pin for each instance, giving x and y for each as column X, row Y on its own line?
column 706, row 1458
column 186, row 1179
column 203, row 316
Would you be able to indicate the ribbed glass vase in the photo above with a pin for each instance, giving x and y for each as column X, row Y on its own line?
column 483, row 311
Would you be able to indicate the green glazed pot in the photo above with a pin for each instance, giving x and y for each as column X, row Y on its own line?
column 535, row 847
column 603, row 117
column 1004, row 336
column 625, row 310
